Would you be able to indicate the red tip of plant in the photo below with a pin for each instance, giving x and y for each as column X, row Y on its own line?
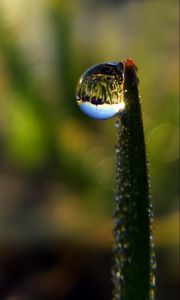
column 129, row 63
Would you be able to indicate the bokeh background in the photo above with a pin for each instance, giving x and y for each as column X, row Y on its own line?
column 57, row 165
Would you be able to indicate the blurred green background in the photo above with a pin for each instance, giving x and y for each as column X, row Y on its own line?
column 57, row 165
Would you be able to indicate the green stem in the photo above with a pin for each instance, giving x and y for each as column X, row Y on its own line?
column 133, row 274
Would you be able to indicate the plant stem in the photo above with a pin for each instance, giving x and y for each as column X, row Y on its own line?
column 134, row 259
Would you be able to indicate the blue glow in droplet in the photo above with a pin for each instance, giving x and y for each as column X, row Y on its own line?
column 101, row 112
column 99, row 92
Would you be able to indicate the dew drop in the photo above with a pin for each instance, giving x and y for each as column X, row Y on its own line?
column 152, row 281
column 126, row 245
column 99, row 91
column 153, row 265
column 117, row 124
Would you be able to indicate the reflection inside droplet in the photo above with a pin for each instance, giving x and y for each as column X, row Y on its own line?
column 99, row 91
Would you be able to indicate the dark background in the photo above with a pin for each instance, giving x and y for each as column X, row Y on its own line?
column 57, row 165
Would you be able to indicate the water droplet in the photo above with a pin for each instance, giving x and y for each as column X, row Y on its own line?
column 99, row 91
column 118, row 198
column 126, row 245
column 117, row 124
column 152, row 282
column 153, row 265
column 152, row 294
column 129, row 260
